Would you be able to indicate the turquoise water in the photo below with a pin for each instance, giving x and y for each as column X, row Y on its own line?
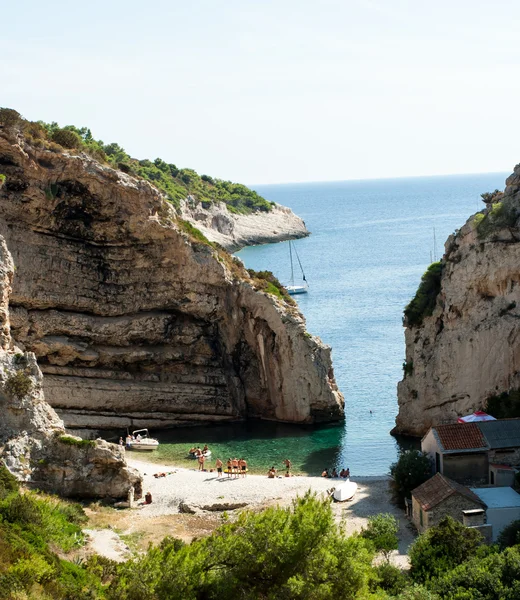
column 371, row 241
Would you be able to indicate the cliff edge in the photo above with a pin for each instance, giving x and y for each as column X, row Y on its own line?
column 134, row 317
column 33, row 442
column 463, row 350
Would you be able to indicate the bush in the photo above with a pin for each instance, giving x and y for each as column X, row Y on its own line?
column 9, row 117
column 390, row 578
column 499, row 216
column 411, row 470
column 488, row 197
column 423, row 303
column 18, row 385
column 441, row 548
column 267, row 282
column 66, row 138
column 193, row 232
column 2, row 180
column 505, row 405
column 382, row 532
column 509, row 536
column 8, row 482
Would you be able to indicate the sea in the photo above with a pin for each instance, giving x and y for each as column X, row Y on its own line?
column 370, row 242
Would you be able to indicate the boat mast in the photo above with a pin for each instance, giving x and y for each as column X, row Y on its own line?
column 292, row 268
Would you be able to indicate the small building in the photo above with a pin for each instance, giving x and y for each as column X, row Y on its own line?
column 503, row 438
column 439, row 497
column 501, row 475
column 503, row 506
column 459, row 451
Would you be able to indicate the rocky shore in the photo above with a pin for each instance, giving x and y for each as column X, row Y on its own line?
column 234, row 231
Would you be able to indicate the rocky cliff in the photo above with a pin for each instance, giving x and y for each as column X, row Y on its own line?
column 234, row 231
column 467, row 351
column 32, row 436
column 137, row 321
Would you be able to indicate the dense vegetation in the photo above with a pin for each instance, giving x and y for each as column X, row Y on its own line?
column 411, row 469
column 423, row 303
column 174, row 182
column 291, row 553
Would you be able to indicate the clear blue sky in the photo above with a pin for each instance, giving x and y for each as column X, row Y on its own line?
column 271, row 91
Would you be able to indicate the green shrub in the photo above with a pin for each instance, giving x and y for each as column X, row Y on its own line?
column 18, row 385
column 2, row 180
column 382, row 532
column 72, row 441
column 267, row 282
column 488, row 197
column 390, row 578
column 8, row 482
column 411, row 470
column 509, row 536
column 9, row 117
column 441, row 548
column 66, row 138
column 499, row 216
column 423, row 303
column 505, row 405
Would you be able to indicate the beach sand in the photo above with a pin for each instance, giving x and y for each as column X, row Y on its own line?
column 201, row 489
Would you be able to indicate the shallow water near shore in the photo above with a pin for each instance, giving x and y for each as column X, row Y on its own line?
column 371, row 242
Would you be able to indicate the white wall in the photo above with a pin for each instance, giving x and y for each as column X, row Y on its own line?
column 501, row 517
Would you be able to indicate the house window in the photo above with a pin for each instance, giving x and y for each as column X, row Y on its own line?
column 437, row 462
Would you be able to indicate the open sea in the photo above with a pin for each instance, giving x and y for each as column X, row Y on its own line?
column 371, row 242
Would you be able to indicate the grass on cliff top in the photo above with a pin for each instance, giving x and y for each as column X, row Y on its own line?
column 176, row 183
column 72, row 441
column 423, row 303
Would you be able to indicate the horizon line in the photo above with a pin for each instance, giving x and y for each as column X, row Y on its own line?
column 378, row 178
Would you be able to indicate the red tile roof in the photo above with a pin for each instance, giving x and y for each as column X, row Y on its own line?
column 438, row 488
column 460, row 436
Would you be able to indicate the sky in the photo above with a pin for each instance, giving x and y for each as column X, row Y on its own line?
column 271, row 91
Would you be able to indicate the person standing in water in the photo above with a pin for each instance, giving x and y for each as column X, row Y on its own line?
column 288, row 465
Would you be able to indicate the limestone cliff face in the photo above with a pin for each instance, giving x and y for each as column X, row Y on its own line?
column 468, row 349
column 234, row 231
column 134, row 323
column 34, row 445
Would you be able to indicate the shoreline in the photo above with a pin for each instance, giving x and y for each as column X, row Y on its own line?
column 192, row 465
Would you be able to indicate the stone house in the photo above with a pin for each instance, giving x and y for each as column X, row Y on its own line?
column 439, row 497
column 459, row 451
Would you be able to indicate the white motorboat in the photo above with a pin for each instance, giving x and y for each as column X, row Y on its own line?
column 293, row 289
column 345, row 491
column 142, row 441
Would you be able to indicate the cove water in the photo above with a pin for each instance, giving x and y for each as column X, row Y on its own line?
column 371, row 242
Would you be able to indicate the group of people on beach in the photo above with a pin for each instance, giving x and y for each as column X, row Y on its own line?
column 344, row 473
column 272, row 471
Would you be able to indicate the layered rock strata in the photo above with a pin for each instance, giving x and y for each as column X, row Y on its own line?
column 35, row 447
column 468, row 350
column 134, row 322
column 234, row 231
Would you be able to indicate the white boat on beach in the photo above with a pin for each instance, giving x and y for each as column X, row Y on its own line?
column 345, row 491
column 142, row 441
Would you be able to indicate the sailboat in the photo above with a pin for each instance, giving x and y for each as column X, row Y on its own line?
column 292, row 288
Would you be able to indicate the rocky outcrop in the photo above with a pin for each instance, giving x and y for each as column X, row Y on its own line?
column 234, row 231
column 35, row 447
column 468, row 350
column 136, row 323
